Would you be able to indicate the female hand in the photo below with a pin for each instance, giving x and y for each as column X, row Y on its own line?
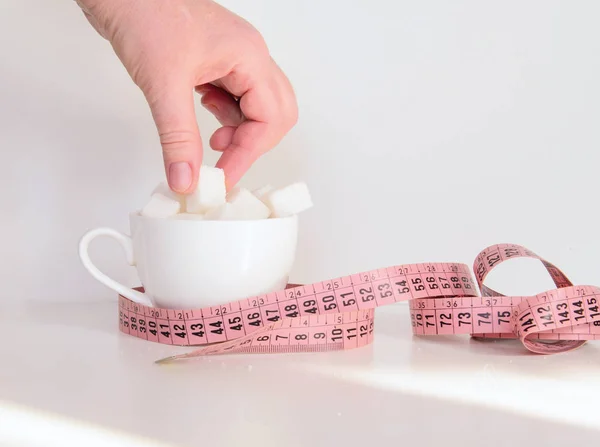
column 171, row 48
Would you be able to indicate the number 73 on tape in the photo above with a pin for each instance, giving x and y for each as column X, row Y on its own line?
column 339, row 313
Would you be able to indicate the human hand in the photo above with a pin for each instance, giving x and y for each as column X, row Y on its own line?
column 171, row 49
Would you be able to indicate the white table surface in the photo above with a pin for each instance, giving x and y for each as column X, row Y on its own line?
column 66, row 367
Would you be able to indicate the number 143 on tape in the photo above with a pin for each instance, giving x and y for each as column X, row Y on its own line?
column 339, row 313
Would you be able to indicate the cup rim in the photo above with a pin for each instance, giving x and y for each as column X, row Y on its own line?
column 138, row 215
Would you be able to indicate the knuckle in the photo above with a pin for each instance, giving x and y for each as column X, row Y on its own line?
column 292, row 116
column 257, row 45
column 289, row 117
column 175, row 142
column 152, row 80
column 258, row 41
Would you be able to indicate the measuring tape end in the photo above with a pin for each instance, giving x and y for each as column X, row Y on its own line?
column 168, row 360
column 164, row 361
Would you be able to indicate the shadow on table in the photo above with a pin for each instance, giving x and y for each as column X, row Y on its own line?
column 223, row 402
column 464, row 353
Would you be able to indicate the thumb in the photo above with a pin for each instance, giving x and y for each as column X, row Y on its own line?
column 175, row 118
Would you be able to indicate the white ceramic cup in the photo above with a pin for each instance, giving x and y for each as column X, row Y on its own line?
column 191, row 264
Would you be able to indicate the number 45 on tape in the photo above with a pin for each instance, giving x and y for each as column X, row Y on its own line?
column 339, row 313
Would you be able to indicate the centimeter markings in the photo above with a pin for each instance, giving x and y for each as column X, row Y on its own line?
column 572, row 315
column 339, row 313
column 332, row 298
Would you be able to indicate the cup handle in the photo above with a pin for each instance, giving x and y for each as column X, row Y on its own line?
column 127, row 245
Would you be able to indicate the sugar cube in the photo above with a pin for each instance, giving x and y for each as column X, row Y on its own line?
column 246, row 206
column 223, row 212
column 289, row 200
column 210, row 192
column 188, row 216
column 163, row 188
column 261, row 192
column 161, row 206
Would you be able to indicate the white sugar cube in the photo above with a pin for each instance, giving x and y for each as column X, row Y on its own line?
column 246, row 206
column 210, row 192
column 223, row 212
column 261, row 192
column 163, row 188
column 161, row 206
column 292, row 199
column 188, row 216
column 241, row 205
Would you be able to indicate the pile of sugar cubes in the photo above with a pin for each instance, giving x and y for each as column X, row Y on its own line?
column 210, row 201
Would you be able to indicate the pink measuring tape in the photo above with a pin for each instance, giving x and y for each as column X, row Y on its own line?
column 339, row 313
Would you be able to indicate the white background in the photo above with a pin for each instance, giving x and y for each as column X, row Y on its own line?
column 428, row 130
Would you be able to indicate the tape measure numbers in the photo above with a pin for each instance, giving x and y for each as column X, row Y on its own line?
column 339, row 313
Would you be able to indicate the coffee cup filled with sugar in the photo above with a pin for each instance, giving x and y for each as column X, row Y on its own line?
column 210, row 247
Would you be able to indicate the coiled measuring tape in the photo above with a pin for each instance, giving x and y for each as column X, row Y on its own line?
column 339, row 313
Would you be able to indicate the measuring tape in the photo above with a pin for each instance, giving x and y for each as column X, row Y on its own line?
column 339, row 313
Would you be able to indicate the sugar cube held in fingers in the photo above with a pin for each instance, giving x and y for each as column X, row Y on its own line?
column 289, row 200
column 210, row 192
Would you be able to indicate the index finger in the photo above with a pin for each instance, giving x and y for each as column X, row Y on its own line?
column 271, row 111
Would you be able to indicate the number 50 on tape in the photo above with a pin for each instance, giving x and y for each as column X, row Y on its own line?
column 339, row 313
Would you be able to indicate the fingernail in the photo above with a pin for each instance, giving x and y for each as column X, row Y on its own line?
column 212, row 108
column 180, row 176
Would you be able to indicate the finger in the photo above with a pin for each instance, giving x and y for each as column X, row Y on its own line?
column 222, row 105
column 173, row 112
column 271, row 111
column 247, row 143
column 222, row 138
column 92, row 21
